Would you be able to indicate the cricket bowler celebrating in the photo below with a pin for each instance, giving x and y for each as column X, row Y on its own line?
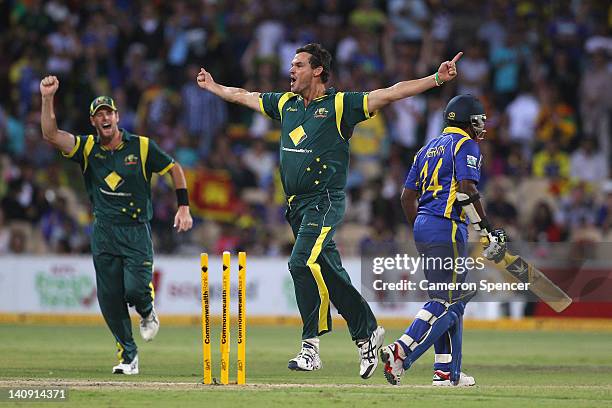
column 443, row 176
column 117, row 168
column 316, row 126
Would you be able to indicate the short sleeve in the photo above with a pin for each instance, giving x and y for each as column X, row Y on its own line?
column 268, row 104
column 76, row 154
column 355, row 108
column 158, row 161
column 468, row 161
column 411, row 180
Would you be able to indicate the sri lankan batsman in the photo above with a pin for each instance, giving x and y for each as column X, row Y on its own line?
column 444, row 177
column 117, row 168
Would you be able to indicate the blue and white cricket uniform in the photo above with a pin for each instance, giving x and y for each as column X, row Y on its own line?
column 440, row 229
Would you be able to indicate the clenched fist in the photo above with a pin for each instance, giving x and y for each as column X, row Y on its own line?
column 49, row 85
column 204, row 79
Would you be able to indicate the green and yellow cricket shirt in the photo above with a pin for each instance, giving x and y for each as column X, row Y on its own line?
column 118, row 181
column 314, row 145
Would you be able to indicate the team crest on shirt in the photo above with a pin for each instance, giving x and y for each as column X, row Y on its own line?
column 130, row 160
column 321, row 113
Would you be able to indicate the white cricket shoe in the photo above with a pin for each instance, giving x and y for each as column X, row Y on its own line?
column 394, row 364
column 368, row 352
column 149, row 326
column 442, row 379
column 307, row 359
column 127, row 368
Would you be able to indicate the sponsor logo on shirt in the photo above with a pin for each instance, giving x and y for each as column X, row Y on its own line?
column 130, row 160
column 287, row 149
column 291, row 109
column 321, row 113
column 472, row 162
column 99, row 156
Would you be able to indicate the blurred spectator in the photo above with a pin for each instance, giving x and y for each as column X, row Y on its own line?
column 577, row 210
column 565, row 75
column 367, row 16
column 261, row 162
column 542, row 226
column 556, row 119
column 408, row 18
column 499, row 209
column 65, row 47
column 60, row 230
column 475, row 70
column 17, row 241
column 604, row 214
column 492, row 30
column 408, row 116
column 380, row 241
column 522, row 115
column 204, row 114
column 435, row 117
column 507, row 58
column 596, row 99
column 588, row 163
column 551, row 162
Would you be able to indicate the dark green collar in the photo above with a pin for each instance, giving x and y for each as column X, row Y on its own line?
column 125, row 137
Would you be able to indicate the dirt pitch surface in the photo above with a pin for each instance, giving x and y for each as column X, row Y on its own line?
column 84, row 384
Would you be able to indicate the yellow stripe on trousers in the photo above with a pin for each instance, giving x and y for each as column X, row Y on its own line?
column 315, row 269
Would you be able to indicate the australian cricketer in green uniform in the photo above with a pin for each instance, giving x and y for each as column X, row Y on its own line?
column 316, row 126
column 117, row 168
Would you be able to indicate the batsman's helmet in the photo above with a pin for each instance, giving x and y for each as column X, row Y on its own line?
column 466, row 110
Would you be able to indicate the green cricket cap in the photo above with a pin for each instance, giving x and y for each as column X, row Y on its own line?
column 99, row 102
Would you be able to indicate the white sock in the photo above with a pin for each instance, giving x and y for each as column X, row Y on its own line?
column 314, row 341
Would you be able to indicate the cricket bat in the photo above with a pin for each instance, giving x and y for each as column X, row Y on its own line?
column 520, row 269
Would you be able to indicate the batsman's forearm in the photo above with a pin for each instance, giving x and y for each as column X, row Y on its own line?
column 48, row 122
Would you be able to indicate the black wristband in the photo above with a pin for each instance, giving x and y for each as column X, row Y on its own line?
column 182, row 197
column 484, row 225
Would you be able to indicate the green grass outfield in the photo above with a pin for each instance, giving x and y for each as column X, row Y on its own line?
column 526, row 369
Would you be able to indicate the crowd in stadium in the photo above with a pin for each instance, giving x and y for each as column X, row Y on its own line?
column 543, row 69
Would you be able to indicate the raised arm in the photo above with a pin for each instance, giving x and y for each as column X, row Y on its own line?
column 382, row 97
column 227, row 93
column 60, row 139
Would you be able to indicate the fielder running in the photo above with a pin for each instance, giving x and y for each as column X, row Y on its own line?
column 316, row 126
column 117, row 168
column 443, row 176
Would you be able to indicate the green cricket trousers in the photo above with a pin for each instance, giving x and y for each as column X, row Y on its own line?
column 318, row 275
column 123, row 260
